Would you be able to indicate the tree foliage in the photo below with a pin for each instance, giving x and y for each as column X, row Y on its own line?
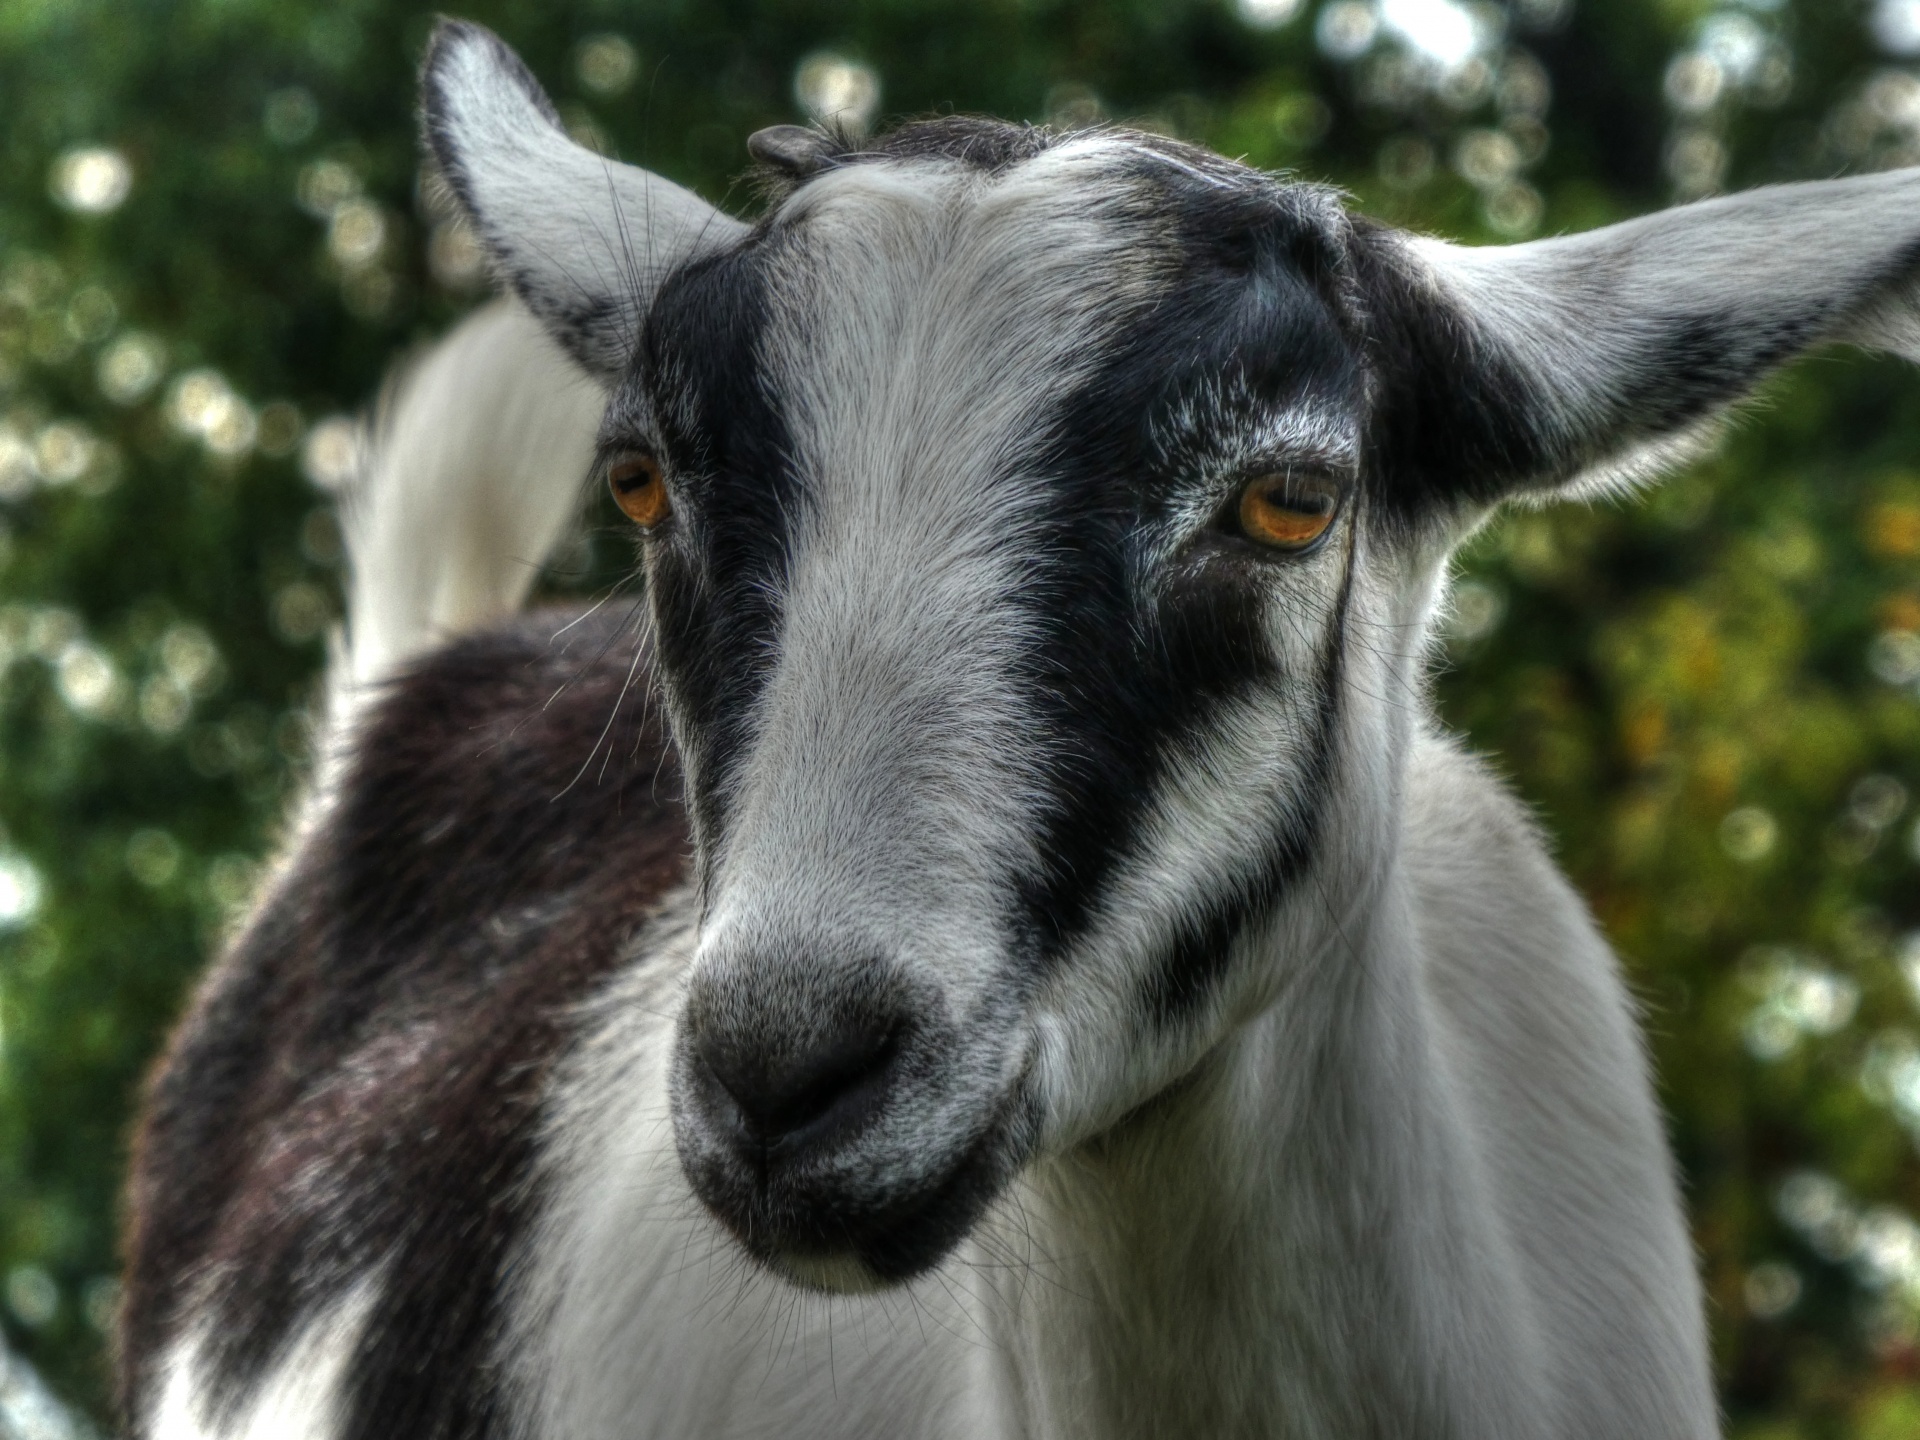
column 215, row 234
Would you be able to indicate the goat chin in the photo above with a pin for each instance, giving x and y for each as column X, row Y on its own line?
column 828, row 1274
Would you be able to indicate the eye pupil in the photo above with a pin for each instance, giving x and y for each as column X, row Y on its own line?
column 639, row 488
column 1283, row 515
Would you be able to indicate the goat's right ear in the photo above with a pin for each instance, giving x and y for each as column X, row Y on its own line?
column 1587, row 362
column 583, row 240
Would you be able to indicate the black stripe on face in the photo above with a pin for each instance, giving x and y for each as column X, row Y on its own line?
column 1196, row 960
column 1140, row 660
column 718, row 571
column 1453, row 415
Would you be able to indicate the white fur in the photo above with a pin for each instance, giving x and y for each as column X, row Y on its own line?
column 299, row 1398
column 476, row 469
column 590, row 237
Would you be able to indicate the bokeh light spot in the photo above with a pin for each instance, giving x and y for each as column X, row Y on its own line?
column 1771, row 1290
column 130, row 367
column 836, row 90
column 1894, row 657
column 1749, row 834
column 202, row 404
column 1476, row 611
column 18, row 472
column 1445, row 32
column 331, row 455
column 1268, row 14
column 324, row 186
column 92, row 180
column 606, row 64
column 290, row 115
column 87, row 679
column 1346, row 29
column 1896, row 25
column 301, row 612
column 1694, row 83
column 164, row 705
column 355, row 232
column 62, row 452
column 153, row 857
column 1798, row 996
column 190, row 657
column 32, row 1296
column 21, row 890
column 231, row 880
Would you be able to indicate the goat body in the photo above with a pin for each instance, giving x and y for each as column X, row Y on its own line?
column 994, row 944
column 406, row 1169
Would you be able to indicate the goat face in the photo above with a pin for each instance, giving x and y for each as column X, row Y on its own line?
column 959, row 622
column 1009, row 502
column 997, row 718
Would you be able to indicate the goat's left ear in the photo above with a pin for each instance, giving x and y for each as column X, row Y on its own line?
column 1572, row 364
column 583, row 240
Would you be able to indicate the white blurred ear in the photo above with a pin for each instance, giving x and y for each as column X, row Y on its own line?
column 583, row 240
column 1587, row 360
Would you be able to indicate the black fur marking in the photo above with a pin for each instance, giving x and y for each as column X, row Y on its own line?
column 1129, row 676
column 357, row 1089
column 1454, row 417
column 1197, row 959
column 714, row 578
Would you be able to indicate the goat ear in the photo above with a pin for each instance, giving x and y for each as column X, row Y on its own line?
column 583, row 240
column 1590, row 361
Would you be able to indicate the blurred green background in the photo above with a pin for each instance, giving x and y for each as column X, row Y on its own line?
column 214, row 235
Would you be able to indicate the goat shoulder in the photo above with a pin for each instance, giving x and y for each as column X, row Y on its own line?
column 1535, row 1024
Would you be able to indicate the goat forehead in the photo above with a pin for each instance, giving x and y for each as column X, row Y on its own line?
column 1072, row 233
column 918, row 309
column 892, row 309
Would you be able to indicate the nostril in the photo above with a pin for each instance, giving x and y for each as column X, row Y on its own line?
column 800, row 1098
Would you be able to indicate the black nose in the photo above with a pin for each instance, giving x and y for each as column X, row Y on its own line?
column 791, row 1098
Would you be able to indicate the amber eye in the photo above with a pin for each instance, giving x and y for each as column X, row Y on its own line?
column 1286, row 512
column 639, row 489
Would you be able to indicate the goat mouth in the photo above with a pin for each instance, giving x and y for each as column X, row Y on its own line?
column 836, row 1230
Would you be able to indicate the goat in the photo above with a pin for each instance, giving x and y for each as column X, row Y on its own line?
column 996, row 944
